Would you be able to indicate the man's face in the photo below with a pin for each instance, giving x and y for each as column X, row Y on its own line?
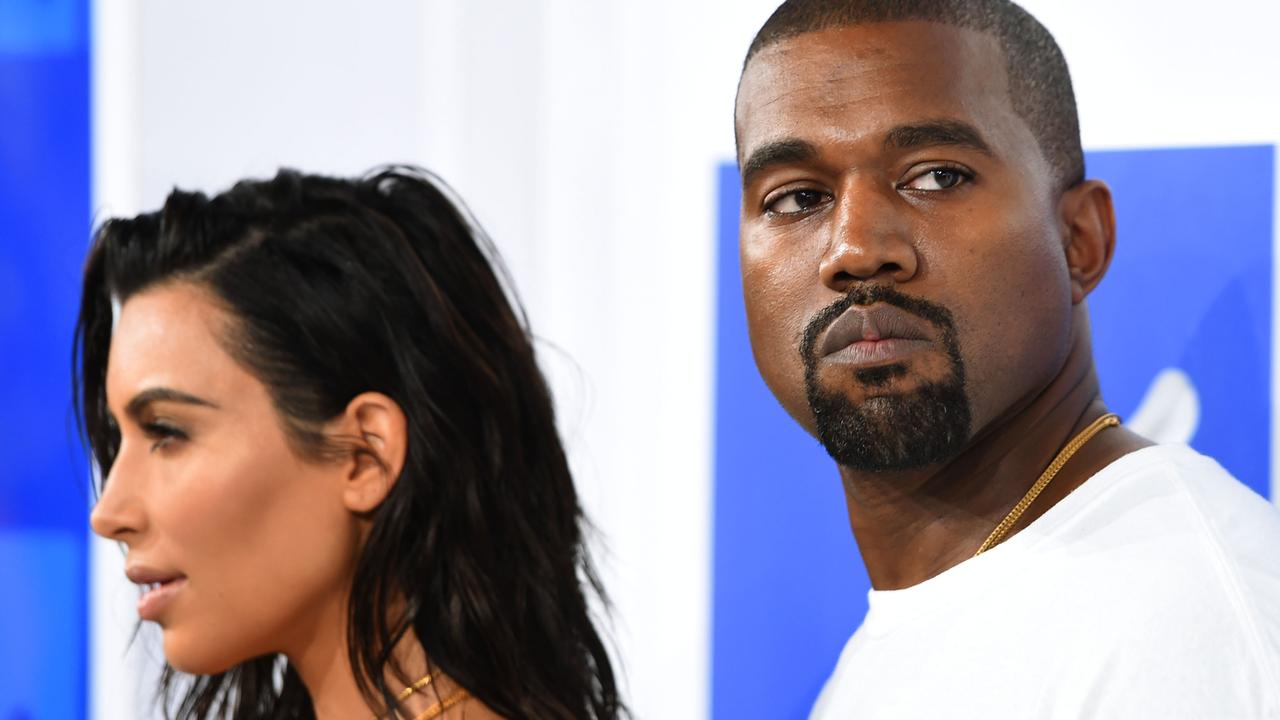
column 902, row 250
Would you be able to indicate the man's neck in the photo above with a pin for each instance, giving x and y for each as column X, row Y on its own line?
column 912, row 526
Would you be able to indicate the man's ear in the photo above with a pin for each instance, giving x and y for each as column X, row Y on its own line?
column 377, row 429
column 1089, row 224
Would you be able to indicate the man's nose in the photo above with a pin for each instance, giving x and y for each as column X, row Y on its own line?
column 869, row 238
column 118, row 514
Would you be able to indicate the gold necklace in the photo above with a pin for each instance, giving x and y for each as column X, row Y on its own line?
column 418, row 684
column 438, row 709
column 1077, row 442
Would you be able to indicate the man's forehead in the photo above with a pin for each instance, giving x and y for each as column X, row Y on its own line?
column 852, row 76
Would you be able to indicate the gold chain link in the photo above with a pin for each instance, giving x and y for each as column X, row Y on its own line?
column 438, row 709
column 420, row 683
column 1077, row 442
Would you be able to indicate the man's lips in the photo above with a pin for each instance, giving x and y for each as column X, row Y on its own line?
column 875, row 333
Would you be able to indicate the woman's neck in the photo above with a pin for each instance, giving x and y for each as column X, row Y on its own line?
column 324, row 665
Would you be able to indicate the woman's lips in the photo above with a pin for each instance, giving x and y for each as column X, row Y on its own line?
column 159, row 588
column 158, row 596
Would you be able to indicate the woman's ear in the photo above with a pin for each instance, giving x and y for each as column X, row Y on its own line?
column 1089, row 223
column 379, row 435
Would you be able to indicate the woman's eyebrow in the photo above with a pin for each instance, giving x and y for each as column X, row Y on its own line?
column 157, row 394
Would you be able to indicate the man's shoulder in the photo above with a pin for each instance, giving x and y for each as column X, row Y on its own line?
column 1173, row 496
column 1152, row 591
column 1184, row 560
column 1169, row 512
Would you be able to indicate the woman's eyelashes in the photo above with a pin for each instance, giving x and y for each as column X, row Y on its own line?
column 162, row 434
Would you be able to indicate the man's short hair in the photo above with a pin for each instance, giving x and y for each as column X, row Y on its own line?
column 1039, row 82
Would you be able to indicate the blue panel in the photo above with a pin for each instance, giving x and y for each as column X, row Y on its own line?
column 44, row 571
column 1190, row 288
column 42, row 27
column 44, row 228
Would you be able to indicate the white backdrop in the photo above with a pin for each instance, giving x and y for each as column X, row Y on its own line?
column 585, row 136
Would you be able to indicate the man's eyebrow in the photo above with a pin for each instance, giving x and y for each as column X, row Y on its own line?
column 936, row 132
column 777, row 152
column 158, row 394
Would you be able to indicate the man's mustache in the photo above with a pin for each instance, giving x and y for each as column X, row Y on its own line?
column 869, row 294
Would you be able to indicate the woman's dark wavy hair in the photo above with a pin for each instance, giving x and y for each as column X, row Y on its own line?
column 383, row 283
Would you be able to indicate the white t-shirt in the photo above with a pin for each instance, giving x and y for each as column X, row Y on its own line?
column 1151, row 591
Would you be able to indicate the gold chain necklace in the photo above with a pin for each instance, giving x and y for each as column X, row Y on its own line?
column 1077, row 442
column 438, row 709
column 418, row 684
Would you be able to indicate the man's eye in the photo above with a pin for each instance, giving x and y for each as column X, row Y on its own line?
column 796, row 201
column 943, row 178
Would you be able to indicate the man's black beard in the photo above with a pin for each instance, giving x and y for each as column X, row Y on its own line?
column 891, row 432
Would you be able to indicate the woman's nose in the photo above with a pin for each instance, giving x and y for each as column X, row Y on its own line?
column 119, row 514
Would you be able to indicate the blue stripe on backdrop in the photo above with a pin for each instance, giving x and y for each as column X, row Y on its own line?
column 1189, row 290
column 44, row 225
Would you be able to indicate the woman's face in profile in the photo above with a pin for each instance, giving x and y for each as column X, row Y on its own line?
column 253, row 541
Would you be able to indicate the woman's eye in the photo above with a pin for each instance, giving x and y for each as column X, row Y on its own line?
column 162, row 434
column 796, row 201
column 943, row 178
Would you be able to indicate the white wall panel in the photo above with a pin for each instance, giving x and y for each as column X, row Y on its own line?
column 238, row 88
column 115, row 691
column 1170, row 74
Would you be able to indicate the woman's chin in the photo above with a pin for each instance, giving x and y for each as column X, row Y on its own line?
column 190, row 656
